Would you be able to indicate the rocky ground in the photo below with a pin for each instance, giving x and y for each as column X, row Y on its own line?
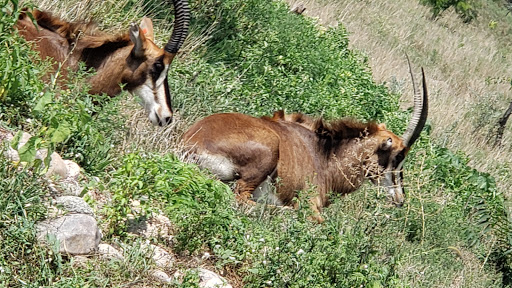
column 73, row 225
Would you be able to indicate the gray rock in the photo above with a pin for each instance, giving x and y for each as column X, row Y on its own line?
column 11, row 154
column 69, row 187
column 74, row 204
column 162, row 258
column 158, row 226
column 160, row 276
column 210, row 279
column 110, row 252
column 57, row 166
column 78, row 234
column 73, row 170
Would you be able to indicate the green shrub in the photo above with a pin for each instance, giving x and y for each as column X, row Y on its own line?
column 463, row 7
column 19, row 80
column 261, row 58
column 159, row 183
column 22, row 260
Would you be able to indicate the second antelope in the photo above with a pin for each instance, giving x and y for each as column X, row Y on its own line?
column 327, row 156
column 131, row 60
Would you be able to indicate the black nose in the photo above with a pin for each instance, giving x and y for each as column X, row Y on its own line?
column 166, row 121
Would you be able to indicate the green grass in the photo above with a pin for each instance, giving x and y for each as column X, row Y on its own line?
column 453, row 230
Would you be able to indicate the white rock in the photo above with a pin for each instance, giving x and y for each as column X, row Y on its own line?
column 11, row 154
column 210, row 279
column 162, row 258
column 160, row 276
column 108, row 251
column 73, row 170
column 78, row 234
column 24, row 139
column 74, row 204
column 57, row 166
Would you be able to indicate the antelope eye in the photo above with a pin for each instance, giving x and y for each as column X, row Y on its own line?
column 157, row 69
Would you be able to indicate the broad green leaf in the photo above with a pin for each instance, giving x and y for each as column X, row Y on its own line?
column 61, row 133
column 43, row 101
column 28, row 151
column 16, row 140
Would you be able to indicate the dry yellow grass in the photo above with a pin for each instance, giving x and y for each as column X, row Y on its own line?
column 458, row 59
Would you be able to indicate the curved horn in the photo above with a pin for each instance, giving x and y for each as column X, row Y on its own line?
column 419, row 115
column 181, row 22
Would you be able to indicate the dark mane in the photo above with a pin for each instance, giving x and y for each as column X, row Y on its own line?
column 299, row 118
column 84, row 36
column 346, row 128
column 68, row 30
column 278, row 116
column 87, row 30
column 332, row 133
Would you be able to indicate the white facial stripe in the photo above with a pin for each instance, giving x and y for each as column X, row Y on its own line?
column 148, row 92
column 161, row 79
column 160, row 92
column 394, row 189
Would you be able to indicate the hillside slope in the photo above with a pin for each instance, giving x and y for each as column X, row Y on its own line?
column 252, row 56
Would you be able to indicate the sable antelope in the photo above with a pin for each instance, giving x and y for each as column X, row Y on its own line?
column 130, row 59
column 328, row 156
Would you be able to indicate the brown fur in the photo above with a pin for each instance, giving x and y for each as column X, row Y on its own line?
column 329, row 156
column 67, row 42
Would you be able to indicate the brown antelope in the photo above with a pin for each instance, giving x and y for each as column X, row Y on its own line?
column 327, row 156
column 131, row 60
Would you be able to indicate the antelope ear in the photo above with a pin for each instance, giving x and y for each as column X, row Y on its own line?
column 146, row 25
column 138, row 38
column 386, row 145
column 321, row 130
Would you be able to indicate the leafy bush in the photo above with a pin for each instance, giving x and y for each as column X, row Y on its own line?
column 261, row 58
column 19, row 80
column 463, row 7
column 22, row 260
column 159, row 183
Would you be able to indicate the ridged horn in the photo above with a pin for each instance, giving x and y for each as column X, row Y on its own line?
column 181, row 23
column 419, row 115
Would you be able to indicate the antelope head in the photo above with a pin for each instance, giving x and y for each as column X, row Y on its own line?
column 393, row 150
column 148, row 64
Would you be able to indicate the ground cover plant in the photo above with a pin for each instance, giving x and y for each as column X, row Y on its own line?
column 254, row 57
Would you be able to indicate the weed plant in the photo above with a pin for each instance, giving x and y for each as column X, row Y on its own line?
column 464, row 8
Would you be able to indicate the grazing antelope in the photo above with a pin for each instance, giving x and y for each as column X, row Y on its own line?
column 131, row 60
column 329, row 156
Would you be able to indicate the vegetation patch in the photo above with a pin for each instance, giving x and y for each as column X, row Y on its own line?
column 256, row 58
